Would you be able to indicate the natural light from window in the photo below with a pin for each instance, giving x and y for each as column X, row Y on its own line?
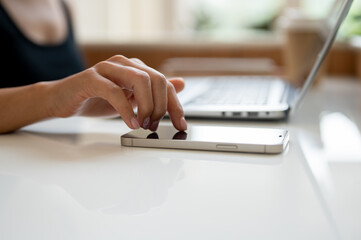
column 118, row 21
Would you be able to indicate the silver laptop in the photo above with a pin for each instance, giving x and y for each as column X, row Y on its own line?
column 260, row 97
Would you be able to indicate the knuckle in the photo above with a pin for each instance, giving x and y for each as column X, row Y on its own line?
column 161, row 80
column 137, row 60
column 114, row 89
column 102, row 65
column 87, row 81
column 141, row 77
column 119, row 58
column 90, row 73
column 170, row 87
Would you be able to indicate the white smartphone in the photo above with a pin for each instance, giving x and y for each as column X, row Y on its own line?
column 211, row 138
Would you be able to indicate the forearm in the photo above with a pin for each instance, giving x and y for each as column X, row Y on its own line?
column 22, row 106
column 110, row 87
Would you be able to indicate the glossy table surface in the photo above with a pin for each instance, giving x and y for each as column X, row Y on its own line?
column 71, row 179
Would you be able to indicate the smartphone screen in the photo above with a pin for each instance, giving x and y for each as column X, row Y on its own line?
column 210, row 138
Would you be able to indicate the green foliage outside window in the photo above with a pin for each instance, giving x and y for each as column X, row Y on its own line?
column 352, row 24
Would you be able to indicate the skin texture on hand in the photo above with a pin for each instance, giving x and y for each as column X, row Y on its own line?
column 112, row 87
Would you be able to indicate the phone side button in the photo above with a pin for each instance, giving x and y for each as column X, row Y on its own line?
column 226, row 147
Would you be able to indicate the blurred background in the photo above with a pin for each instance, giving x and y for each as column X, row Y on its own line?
column 163, row 32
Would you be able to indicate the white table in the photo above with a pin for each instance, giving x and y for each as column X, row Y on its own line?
column 71, row 179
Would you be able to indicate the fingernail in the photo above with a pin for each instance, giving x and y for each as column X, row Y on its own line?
column 135, row 123
column 183, row 124
column 146, row 123
column 154, row 126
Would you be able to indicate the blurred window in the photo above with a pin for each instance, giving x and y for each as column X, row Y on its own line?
column 162, row 20
column 116, row 20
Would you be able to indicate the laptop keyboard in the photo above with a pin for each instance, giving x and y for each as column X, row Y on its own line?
column 233, row 91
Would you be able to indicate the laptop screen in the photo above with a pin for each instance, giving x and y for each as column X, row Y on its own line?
column 313, row 40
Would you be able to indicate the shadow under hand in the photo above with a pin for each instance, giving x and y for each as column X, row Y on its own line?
column 178, row 136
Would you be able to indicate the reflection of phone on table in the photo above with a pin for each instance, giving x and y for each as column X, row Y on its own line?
column 230, row 139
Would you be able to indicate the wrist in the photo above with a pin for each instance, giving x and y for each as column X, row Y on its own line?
column 46, row 94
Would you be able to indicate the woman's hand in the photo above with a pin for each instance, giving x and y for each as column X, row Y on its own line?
column 116, row 86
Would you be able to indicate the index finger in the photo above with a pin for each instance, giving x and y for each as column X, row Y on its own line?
column 158, row 88
column 175, row 109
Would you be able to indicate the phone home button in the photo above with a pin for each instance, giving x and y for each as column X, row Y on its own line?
column 226, row 146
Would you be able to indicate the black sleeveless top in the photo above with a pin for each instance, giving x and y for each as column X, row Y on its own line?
column 23, row 62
